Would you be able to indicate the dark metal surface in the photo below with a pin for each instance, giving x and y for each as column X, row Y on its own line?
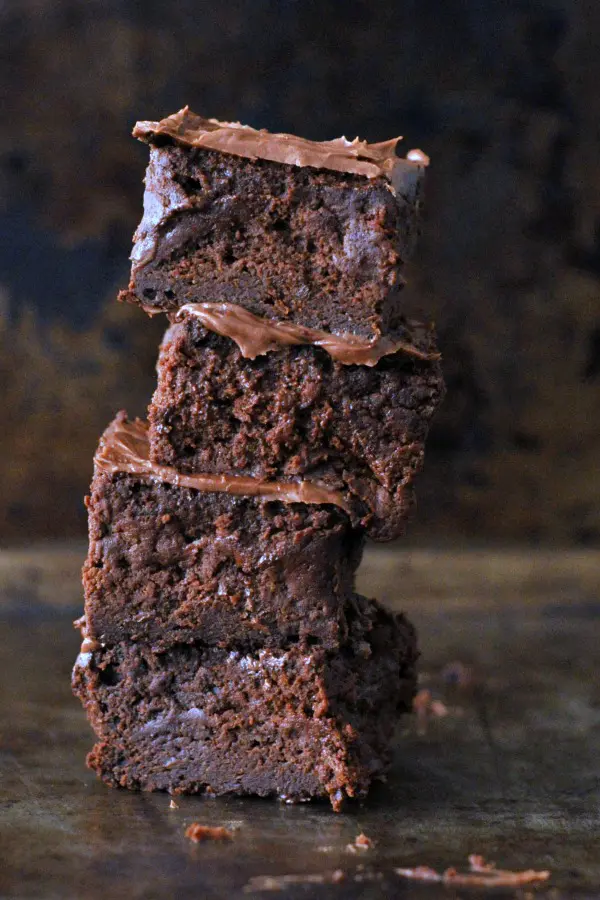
column 511, row 772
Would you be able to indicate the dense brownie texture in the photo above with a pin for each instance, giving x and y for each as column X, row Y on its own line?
column 318, row 248
column 170, row 564
column 296, row 723
column 297, row 412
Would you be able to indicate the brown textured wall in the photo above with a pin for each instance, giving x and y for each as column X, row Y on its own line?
column 502, row 94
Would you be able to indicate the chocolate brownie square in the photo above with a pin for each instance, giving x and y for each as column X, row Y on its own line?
column 169, row 563
column 311, row 233
column 296, row 412
column 296, row 723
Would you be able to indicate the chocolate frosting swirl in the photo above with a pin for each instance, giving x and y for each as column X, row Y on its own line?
column 341, row 155
column 256, row 336
column 124, row 447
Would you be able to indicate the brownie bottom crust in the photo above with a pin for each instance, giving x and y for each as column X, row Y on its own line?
column 297, row 723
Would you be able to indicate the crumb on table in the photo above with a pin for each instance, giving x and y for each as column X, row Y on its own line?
column 426, row 707
column 361, row 843
column 198, row 833
column 480, row 874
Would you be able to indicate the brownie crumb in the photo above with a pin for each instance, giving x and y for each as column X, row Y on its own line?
column 199, row 833
column 426, row 707
column 360, row 844
column 361, row 840
column 480, row 874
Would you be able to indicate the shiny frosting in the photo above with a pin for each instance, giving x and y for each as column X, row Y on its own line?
column 124, row 447
column 341, row 155
column 256, row 336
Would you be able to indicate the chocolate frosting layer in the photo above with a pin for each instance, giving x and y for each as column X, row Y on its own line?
column 124, row 447
column 356, row 157
column 256, row 336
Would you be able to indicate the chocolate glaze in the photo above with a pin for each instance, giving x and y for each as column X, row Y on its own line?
column 124, row 447
column 256, row 336
column 341, row 155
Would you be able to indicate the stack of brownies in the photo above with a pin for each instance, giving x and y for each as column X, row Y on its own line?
column 225, row 649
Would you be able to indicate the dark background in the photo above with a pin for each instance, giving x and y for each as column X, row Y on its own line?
column 505, row 97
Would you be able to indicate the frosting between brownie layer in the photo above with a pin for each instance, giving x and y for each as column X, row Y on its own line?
column 124, row 447
column 256, row 336
column 341, row 155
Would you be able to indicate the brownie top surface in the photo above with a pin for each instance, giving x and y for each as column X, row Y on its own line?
column 341, row 155
column 125, row 447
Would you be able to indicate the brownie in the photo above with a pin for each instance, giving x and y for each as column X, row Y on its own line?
column 297, row 412
column 296, row 723
column 170, row 564
column 309, row 240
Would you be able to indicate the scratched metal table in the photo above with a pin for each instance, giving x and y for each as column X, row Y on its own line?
column 510, row 772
